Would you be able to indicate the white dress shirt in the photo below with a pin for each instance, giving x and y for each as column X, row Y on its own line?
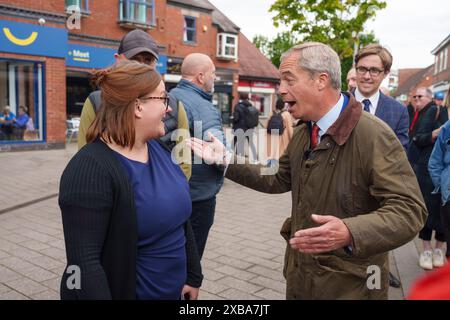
column 373, row 100
column 328, row 119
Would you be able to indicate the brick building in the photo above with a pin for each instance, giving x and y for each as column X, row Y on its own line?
column 441, row 72
column 47, row 52
column 436, row 76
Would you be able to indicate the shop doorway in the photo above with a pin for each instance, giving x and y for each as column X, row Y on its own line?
column 78, row 89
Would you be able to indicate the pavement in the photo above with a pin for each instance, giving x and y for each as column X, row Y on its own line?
column 243, row 258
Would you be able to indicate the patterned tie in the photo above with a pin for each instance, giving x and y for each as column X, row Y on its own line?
column 366, row 103
column 314, row 136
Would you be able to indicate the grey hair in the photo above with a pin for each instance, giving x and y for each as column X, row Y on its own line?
column 316, row 57
column 427, row 90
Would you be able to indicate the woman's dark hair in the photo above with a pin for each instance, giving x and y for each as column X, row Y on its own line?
column 121, row 85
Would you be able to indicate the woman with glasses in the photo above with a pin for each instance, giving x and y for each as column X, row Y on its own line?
column 125, row 205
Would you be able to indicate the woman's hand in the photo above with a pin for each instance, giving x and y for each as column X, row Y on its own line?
column 210, row 152
column 190, row 293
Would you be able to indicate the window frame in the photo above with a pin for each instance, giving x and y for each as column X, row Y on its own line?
column 40, row 100
column 186, row 29
column 83, row 5
column 148, row 5
column 222, row 45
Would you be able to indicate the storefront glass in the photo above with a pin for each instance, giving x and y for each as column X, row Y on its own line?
column 262, row 102
column 21, row 101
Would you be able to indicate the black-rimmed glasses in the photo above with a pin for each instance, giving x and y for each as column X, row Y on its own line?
column 165, row 98
column 373, row 71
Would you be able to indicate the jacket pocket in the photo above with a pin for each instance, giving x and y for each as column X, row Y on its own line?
column 338, row 278
column 356, row 204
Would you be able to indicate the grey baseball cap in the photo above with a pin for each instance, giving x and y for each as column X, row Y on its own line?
column 137, row 41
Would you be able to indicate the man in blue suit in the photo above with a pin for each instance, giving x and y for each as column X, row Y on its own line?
column 373, row 64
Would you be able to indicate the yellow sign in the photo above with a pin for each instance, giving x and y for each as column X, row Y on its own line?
column 20, row 42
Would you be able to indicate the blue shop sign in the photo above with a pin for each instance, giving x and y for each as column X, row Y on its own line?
column 89, row 57
column 25, row 38
column 161, row 64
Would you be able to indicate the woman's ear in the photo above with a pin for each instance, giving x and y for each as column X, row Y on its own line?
column 137, row 109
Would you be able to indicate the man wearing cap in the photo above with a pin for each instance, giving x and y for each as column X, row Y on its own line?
column 139, row 46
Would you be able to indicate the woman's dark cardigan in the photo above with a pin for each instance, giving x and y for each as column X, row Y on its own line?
column 100, row 228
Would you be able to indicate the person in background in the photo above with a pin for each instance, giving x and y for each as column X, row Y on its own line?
column 423, row 133
column 195, row 91
column 439, row 168
column 277, row 141
column 438, row 99
column 444, row 110
column 351, row 80
column 245, row 117
column 125, row 205
column 6, row 122
column 20, row 123
column 373, row 64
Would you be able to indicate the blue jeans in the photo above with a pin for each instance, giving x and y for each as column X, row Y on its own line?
column 202, row 219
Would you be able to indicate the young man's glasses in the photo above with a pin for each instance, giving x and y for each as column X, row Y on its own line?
column 165, row 98
column 373, row 71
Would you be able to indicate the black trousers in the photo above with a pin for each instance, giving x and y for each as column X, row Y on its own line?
column 202, row 219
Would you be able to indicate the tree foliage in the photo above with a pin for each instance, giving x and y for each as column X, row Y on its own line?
column 335, row 22
column 273, row 49
column 338, row 23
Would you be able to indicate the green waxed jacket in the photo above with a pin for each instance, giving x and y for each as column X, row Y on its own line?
column 359, row 173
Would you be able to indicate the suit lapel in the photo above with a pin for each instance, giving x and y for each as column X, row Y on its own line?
column 381, row 106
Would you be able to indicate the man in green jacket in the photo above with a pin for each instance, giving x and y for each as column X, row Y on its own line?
column 139, row 46
column 354, row 194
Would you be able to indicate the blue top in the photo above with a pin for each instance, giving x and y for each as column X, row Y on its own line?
column 439, row 163
column 203, row 117
column 21, row 121
column 163, row 206
column 8, row 119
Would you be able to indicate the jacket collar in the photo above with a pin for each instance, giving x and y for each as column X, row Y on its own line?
column 428, row 106
column 185, row 84
column 340, row 130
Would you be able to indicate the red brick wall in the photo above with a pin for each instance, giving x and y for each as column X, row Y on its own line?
column 55, row 94
column 41, row 5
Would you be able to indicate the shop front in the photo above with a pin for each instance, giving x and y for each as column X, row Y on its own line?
column 30, row 56
column 262, row 95
column 80, row 61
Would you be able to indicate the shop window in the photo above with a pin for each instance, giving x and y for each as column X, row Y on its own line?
column 21, row 101
column 227, row 46
column 140, row 12
column 189, row 29
column 262, row 102
column 82, row 4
